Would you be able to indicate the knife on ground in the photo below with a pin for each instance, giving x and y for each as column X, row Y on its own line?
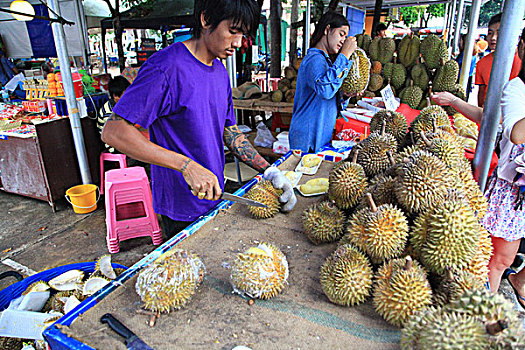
column 132, row 341
column 231, row 197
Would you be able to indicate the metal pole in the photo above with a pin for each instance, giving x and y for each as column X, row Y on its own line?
column 231, row 67
column 451, row 24
column 80, row 30
column 503, row 58
column 103, row 49
column 85, row 33
column 69, row 90
column 459, row 22
column 307, row 28
column 468, row 45
column 446, row 18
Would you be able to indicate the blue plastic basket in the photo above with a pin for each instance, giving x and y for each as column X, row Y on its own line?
column 15, row 290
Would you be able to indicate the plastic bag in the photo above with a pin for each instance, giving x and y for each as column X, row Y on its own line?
column 264, row 136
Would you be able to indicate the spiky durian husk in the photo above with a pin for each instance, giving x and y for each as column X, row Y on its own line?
column 265, row 193
column 454, row 286
column 400, row 292
column 373, row 153
column 425, row 120
column 323, row 223
column 423, row 182
column 452, row 236
column 418, row 233
column 433, row 49
column 355, row 230
column 411, row 331
column 382, row 189
column 386, row 232
column 260, row 272
column 446, row 150
column 346, row 276
column 406, row 153
column 346, row 184
column 103, row 265
column 170, row 281
column 395, row 124
column 478, row 202
column 8, row 343
column 479, row 264
column 357, row 79
column 38, row 286
column 488, row 308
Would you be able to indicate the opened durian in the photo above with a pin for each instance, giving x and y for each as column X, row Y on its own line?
column 346, row 276
column 265, row 193
column 39, row 286
column 104, row 266
column 347, row 183
column 69, row 280
column 260, row 272
column 401, row 290
column 170, row 281
column 93, row 284
column 323, row 223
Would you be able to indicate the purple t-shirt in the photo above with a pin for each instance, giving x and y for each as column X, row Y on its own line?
column 185, row 105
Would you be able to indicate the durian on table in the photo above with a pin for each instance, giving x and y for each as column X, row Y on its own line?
column 265, row 193
column 260, row 272
column 323, row 222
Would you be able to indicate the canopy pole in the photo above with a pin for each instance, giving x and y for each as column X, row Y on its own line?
column 85, row 33
column 468, row 45
column 103, row 49
column 231, row 67
column 69, row 90
column 457, row 33
column 377, row 17
column 80, row 31
column 446, row 18
column 306, row 33
column 451, row 24
column 503, row 58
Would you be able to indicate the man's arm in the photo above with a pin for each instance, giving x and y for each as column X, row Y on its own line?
column 122, row 135
column 239, row 145
column 482, row 92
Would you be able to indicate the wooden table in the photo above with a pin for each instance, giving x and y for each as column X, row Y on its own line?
column 263, row 104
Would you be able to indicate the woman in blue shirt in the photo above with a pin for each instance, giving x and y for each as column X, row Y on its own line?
column 318, row 81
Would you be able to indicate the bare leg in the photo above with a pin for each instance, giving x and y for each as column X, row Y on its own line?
column 502, row 258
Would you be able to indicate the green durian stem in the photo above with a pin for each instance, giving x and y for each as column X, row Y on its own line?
column 354, row 158
column 496, row 327
column 434, row 125
column 450, row 275
column 427, row 141
column 371, row 202
column 408, row 264
column 390, row 158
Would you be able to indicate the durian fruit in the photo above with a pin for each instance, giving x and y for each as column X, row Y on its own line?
column 323, row 223
column 455, row 284
column 382, row 190
column 290, row 73
column 490, row 308
column 363, row 41
column 277, row 96
column 9, row 343
column 419, row 75
column 401, row 290
column 429, row 116
column 411, row 95
column 376, row 68
column 373, row 152
column 346, row 183
column 260, row 272
column 357, row 79
column 382, row 49
column 446, row 76
column 38, row 286
column 452, row 236
column 170, row 281
column 423, row 182
column 445, row 149
column 104, row 266
column 465, row 127
column 346, row 276
column 69, row 280
column 399, row 75
column 433, row 49
column 265, row 193
column 387, row 71
column 408, row 50
column 479, row 264
column 385, row 230
column 395, row 123
column 355, row 230
column 458, row 91
column 375, row 83
column 434, row 328
column 71, row 303
column 93, row 284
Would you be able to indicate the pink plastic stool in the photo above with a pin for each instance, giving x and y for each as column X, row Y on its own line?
column 117, row 157
column 129, row 207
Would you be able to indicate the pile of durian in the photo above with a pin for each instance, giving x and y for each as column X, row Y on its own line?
column 405, row 210
column 286, row 87
column 413, row 69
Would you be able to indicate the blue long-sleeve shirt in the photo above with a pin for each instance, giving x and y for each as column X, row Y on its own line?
column 315, row 106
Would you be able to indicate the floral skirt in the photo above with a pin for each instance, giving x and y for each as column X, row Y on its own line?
column 502, row 220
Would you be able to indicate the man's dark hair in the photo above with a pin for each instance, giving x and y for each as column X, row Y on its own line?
column 330, row 18
column 117, row 86
column 495, row 19
column 245, row 15
column 381, row 26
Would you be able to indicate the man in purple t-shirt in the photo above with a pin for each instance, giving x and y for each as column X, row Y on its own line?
column 182, row 94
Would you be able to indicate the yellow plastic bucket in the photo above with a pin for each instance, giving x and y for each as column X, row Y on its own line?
column 83, row 198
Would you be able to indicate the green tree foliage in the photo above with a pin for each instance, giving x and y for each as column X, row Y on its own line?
column 436, row 10
column 411, row 14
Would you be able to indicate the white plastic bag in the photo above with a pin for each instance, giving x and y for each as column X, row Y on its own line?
column 264, row 136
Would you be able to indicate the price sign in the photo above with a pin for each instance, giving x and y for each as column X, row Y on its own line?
column 391, row 103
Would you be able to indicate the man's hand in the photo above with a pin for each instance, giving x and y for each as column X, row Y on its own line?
column 281, row 182
column 203, row 183
column 349, row 46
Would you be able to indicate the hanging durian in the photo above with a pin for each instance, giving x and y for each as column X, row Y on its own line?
column 346, row 276
column 260, row 272
column 357, row 79
column 347, row 183
column 408, row 50
column 265, row 193
column 323, row 223
column 433, row 49
column 170, row 281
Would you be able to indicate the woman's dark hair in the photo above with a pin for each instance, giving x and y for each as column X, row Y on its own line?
column 522, row 70
column 245, row 15
column 330, row 18
column 117, row 86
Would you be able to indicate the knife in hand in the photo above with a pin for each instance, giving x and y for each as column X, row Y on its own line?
column 132, row 341
column 231, row 197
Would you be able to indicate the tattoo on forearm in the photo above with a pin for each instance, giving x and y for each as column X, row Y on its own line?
column 237, row 142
